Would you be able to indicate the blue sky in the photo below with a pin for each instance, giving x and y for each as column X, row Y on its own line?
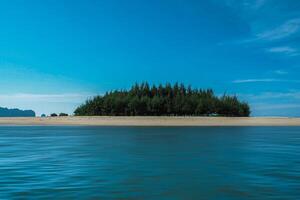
column 55, row 54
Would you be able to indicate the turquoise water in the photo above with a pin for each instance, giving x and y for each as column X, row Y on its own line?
column 149, row 163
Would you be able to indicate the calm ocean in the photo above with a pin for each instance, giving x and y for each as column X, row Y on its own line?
column 149, row 163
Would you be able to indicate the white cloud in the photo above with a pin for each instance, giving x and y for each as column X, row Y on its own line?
column 57, row 98
column 276, row 109
column 265, row 106
column 280, row 72
column 273, row 95
column 264, row 80
column 286, row 50
column 251, row 5
column 254, row 80
column 288, row 28
column 274, row 103
column 23, row 79
column 44, row 103
column 254, row 5
column 259, row 3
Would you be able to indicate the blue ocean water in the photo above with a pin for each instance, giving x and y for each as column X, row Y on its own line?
column 149, row 162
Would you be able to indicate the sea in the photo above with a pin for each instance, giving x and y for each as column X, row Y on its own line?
column 169, row 163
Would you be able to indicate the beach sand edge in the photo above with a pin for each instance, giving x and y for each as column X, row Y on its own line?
column 150, row 121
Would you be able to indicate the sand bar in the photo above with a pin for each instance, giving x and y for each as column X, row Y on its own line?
column 152, row 121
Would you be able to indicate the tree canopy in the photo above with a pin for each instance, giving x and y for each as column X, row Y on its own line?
column 63, row 114
column 6, row 112
column 163, row 100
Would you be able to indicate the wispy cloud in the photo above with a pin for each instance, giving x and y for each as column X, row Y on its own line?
column 254, row 80
column 286, row 50
column 44, row 103
column 286, row 29
column 254, row 5
column 48, row 98
column 264, row 80
column 272, row 95
column 259, row 3
column 251, row 5
column 264, row 106
column 280, row 72
column 274, row 103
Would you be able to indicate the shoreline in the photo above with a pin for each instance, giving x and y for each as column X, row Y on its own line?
column 148, row 121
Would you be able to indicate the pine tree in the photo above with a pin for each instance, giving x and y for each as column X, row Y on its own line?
column 166, row 99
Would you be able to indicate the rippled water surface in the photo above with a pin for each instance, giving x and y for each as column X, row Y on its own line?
column 149, row 163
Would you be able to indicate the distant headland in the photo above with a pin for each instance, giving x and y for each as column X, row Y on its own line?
column 163, row 100
column 6, row 112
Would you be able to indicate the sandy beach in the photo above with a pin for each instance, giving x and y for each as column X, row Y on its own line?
column 152, row 121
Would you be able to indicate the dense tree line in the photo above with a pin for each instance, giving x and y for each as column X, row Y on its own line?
column 170, row 100
column 60, row 115
column 5, row 112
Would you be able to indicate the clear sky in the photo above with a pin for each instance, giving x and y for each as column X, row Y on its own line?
column 55, row 54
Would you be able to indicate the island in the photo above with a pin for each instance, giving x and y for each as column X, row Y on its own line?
column 163, row 100
column 162, row 105
column 6, row 112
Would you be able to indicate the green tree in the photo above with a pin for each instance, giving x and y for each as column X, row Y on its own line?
column 143, row 99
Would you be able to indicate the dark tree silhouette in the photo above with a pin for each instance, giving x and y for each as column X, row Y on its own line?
column 63, row 114
column 167, row 100
column 6, row 112
column 53, row 115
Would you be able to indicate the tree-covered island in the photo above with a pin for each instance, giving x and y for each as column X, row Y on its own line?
column 163, row 100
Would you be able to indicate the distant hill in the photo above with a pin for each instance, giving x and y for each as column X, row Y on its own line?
column 5, row 112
